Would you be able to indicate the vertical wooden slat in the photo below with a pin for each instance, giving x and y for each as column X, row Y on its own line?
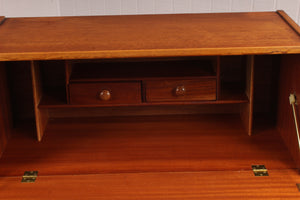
column 5, row 111
column 41, row 115
column 218, row 72
column 68, row 75
column 247, row 109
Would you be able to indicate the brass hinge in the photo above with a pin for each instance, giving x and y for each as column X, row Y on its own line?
column 29, row 176
column 260, row 170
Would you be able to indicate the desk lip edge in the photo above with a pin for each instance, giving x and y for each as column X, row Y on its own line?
column 149, row 53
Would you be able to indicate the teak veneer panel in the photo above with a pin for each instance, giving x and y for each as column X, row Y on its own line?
column 236, row 185
column 290, row 84
column 146, row 36
column 41, row 116
column 144, row 144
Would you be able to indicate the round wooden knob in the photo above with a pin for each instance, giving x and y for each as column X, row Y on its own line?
column 180, row 90
column 105, row 95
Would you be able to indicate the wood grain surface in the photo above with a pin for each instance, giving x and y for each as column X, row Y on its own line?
column 146, row 36
column 203, row 89
column 289, row 84
column 41, row 116
column 247, row 109
column 120, row 93
column 289, row 21
column 232, row 185
column 144, row 144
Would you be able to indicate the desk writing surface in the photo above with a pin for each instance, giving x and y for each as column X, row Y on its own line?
column 146, row 36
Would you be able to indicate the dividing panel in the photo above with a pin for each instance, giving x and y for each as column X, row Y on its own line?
column 5, row 113
column 289, row 84
column 247, row 109
column 41, row 115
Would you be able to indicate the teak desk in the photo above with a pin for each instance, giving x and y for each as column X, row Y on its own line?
column 149, row 107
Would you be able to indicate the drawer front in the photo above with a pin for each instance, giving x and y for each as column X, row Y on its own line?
column 180, row 90
column 105, row 93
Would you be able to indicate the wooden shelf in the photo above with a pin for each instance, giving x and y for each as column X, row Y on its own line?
column 56, row 100
column 138, row 36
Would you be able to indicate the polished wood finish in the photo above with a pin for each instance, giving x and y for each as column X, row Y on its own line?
column 5, row 111
column 247, row 109
column 179, row 35
column 289, row 84
column 227, row 97
column 105, row 93
column 180, row 90
column 209, row 185
column 144, row 144
column 218, row 76
column 69, row 69
column 154, row 110
column 41, row 116
column 289, row 21
column 136, row 145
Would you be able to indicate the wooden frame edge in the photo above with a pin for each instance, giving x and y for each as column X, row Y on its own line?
column 2, row 19
column 289, row 21
column 247, row 109
column 41, row 115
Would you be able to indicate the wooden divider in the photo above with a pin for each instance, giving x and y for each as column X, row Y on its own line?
column 41, row 115
column 247, row 109
column 5, row 112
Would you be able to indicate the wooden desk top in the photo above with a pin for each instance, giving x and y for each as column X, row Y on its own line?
column 148, row 36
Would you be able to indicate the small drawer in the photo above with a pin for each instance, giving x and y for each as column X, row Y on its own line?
column 105, row 93
column 203, row 89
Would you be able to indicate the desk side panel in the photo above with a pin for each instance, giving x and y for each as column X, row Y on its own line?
column 289, row 84
column 5, row 111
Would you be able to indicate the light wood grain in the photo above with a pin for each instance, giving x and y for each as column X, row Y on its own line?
column 146, row 36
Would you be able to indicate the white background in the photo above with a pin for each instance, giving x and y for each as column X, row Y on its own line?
column 28, row 8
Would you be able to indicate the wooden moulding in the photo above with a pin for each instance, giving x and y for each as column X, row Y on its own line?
column 41, row 115
column 247, row 109
column 289, row 21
